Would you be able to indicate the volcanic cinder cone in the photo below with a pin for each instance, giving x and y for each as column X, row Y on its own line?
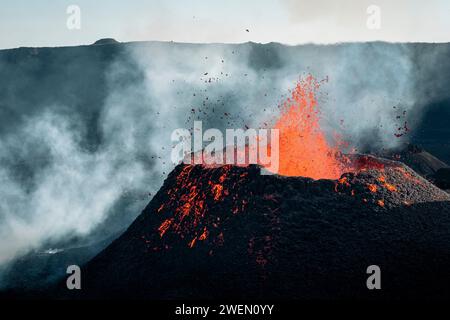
column 231, row 232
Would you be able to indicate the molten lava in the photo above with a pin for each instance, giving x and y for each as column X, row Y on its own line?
column 304, row 149
column 192, row 199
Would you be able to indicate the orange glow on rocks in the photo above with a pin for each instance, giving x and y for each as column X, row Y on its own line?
column 192, row 243
column 203, row 235
column 193, row 197
column 217, row 191
column 372, row 188
column 388, row 186
column 164, row 226
column 341, row 182
column 304, row 149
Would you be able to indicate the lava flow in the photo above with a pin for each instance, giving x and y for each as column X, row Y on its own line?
column 303, row 147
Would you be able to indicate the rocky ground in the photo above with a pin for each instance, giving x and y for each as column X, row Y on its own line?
column 230, row 232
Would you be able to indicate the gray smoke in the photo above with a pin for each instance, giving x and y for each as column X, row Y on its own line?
column 70, row 194
column 368, row 87
column 68, row 168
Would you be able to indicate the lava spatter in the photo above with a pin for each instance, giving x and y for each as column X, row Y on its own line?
column 303, row 146
column 193, row 197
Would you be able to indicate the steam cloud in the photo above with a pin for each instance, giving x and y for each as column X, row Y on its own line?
column 64, row 174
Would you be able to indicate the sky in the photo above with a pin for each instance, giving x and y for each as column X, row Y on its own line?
column 41, row 23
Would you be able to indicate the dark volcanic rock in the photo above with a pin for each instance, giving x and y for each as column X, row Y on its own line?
column 421, row 161
column 442, row 178
column 230, row 232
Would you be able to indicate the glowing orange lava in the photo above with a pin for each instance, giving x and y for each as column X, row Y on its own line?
column 372, row 188
column 304, row 149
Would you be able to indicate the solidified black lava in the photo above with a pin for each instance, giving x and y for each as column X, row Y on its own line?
column 230, row 232
column 442, row 178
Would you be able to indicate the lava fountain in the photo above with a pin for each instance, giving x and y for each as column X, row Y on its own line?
column 303, row 146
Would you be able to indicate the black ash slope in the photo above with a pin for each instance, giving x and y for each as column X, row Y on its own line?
column 230, row 232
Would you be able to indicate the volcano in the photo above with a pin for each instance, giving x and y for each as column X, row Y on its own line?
column 309, row 231
column 230, row 232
